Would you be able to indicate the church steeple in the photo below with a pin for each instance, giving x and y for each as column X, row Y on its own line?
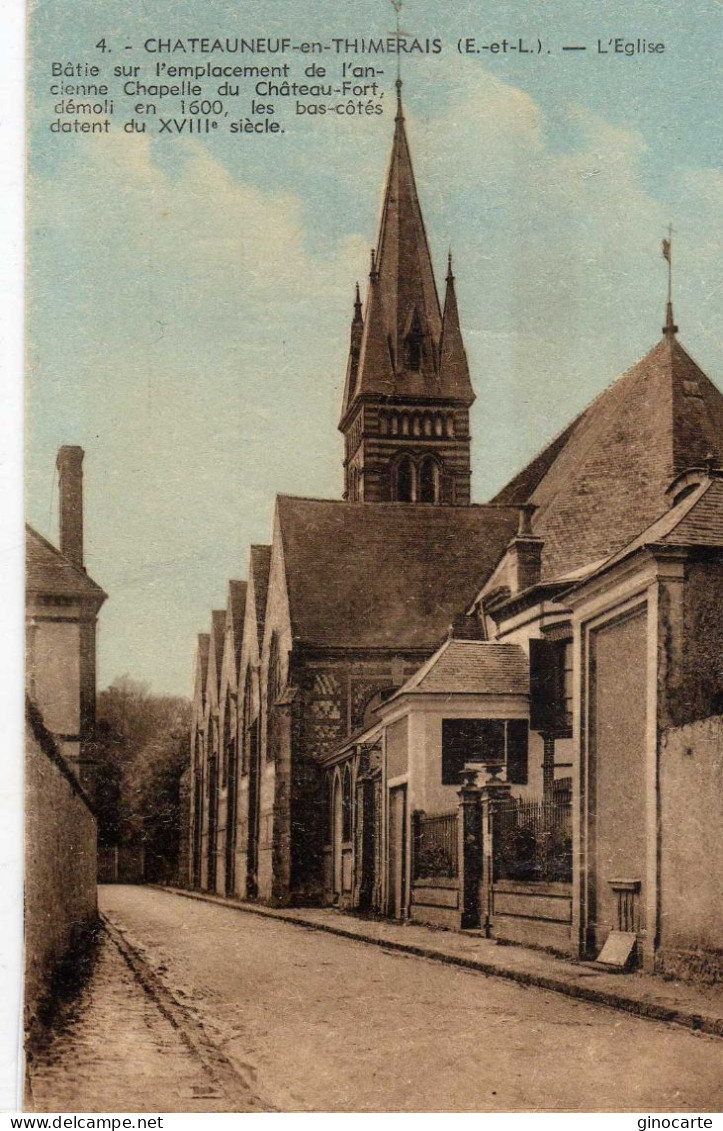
column 410, row 357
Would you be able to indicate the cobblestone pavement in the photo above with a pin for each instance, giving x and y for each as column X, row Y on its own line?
column 322, row 1023
column 115, row 1049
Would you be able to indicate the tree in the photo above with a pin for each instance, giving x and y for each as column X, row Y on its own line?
column 142, row 753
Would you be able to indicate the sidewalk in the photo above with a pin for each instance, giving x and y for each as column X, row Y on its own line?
column 122, row 1046
column 695, row 1007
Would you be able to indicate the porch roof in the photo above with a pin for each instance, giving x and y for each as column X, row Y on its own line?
column 471, row 667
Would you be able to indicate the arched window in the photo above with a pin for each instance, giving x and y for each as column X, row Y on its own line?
column 346, row 807
column 450, row 425
column 429, row 481
column 226, row 747
column 395, row 424
column 438, row 426
column 247, row 737
column 383, row 423
column 405, row 481
column 405, row 424
column 428, row 426
column 416, row 425
column 413, row 346
column 273, row 691
column 328, row 823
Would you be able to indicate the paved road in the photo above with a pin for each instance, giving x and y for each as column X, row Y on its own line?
column 319, row 1023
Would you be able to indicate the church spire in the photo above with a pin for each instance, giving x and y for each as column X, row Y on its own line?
column 357, row 330
column 405, row 414
column 453, row 368
column 406, row 315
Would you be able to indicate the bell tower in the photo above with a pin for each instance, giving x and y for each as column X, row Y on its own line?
column 405, row 414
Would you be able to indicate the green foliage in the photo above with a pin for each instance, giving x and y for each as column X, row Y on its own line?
column 142, row 751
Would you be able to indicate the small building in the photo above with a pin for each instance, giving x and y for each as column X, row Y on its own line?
column 62, row 605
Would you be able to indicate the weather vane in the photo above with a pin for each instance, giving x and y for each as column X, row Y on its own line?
column 670, row 327
column 668, row 256
column 397, row 5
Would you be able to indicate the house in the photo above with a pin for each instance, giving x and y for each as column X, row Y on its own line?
column 416, row 732
column 62, row 605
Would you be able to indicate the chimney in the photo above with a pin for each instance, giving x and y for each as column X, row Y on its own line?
column 524, row 553
column 70, row 473
column 466, row 627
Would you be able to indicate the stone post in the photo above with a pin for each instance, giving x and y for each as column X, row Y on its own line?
column 417, row 818
column 469, row 831
column 493, row 794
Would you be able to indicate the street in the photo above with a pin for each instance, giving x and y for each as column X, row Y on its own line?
column 320, row 1023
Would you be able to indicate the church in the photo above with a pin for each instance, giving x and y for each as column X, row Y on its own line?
column 420, row 706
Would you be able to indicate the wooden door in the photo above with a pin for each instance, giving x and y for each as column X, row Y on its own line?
column 336, row 839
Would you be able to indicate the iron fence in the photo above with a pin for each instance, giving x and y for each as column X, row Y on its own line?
column 532, row 840
column 435, row 846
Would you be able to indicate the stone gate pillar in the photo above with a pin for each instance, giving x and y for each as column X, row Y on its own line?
column 469, row 831
column 493, row 794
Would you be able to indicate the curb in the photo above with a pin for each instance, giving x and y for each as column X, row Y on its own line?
column 699, row 1023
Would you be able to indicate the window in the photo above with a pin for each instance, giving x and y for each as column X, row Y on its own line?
column 329, row 809
column 484, row 740
column 273, row 691
column 517, row 740
column 405, row 481
column 226, row 747
column 551, row 687
column 566, row 689
column 413, row 346
column 247, row 752
column 429, row 481
column 346, row 807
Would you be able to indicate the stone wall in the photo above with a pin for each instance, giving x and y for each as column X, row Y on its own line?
column 691, row 786
column 60, row 863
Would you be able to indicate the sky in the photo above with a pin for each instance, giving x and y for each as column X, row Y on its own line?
column 189, row 298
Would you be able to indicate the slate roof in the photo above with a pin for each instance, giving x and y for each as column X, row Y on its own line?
column 696, row 521
column 604, row 479
column 385, row 574
column 218, row 626
column 237, row 607
column 259, row 567
column 702, row 524
column 204, row 645
column 47, row 571
column 471, row 667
